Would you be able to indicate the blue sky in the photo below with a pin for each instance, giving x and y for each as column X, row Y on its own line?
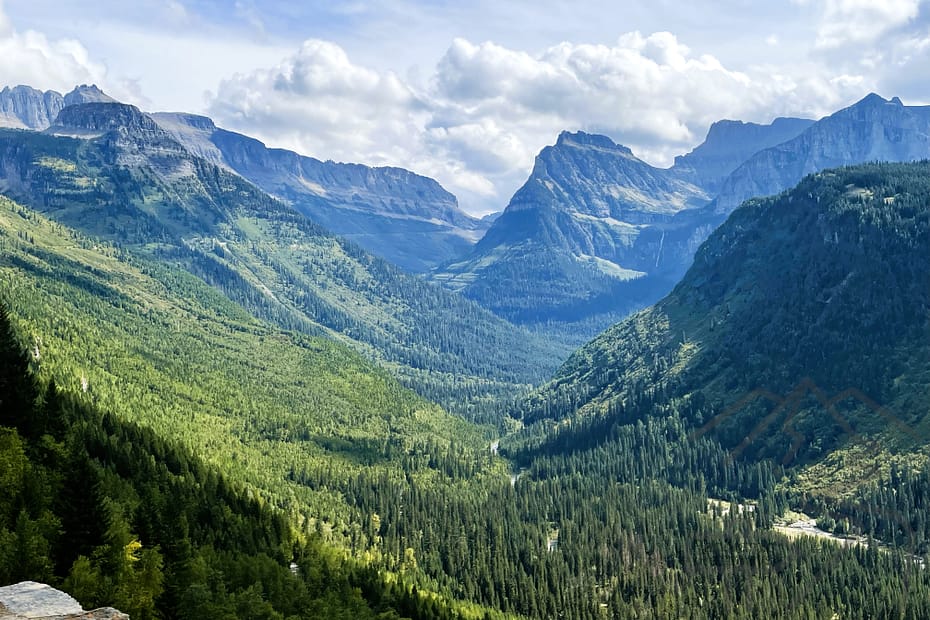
column 469, row 92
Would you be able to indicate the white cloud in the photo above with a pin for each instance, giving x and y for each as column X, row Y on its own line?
column 319, row 102
column 478, row 121
column 850, row 22
column 31, row 58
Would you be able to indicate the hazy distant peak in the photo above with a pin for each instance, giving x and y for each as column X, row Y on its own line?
column 176, row 119
column 87, row 94
column 581, row 138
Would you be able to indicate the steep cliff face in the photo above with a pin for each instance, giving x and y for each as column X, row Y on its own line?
column 563, row 250
column 23, row 107
column 135, row 139
column 874, row 129
column 729, row 144
column 406, row 218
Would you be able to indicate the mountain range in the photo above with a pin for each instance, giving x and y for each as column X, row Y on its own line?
column 800, row 314
column 109, row 170
column 596, row 233
column 213, row 406
column 405, row 218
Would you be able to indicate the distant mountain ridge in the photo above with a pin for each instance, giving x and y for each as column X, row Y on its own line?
column 405, row 218
column 730, row 143
column 110, row 171
column 591, row 237
column 874, row 129
column 24, row 107
column 401, row 216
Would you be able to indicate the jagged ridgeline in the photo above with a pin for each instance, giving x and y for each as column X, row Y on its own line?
column 596, row 233
column 109, row 171
column 801, row 327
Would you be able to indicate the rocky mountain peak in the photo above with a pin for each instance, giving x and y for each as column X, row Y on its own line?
column 583, row 139
column 874, row 99
column 729, row 143
column 103, row 117
column 87, row 94
column 24, row 107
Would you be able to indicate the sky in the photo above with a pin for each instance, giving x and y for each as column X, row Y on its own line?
column 469, row 92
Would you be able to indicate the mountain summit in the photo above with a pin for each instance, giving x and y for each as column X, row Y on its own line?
column 562, row 249
column 24, row 107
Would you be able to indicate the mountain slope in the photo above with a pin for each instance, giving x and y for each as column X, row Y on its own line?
column 400, row 216
column 818, row 292
column 129, row 181
column 729, row 144
column 560, row 252
column 180, row 370
column 157, row 346
column 737, row 161
column 871, row 130
column 119, row 515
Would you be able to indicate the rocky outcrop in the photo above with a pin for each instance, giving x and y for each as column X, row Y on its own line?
column 729, row 144
column 23, row 107
column 37, row 601
column 87, row 94
column 135, row 138
column 401, row 216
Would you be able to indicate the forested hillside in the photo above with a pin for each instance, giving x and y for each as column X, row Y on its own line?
column 608, row 515
column 116, row 515
column 129, row 182
column 802, row 326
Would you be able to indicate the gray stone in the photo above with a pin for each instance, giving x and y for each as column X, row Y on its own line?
column 30, row 600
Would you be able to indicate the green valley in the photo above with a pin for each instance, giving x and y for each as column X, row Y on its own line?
column 129, row 182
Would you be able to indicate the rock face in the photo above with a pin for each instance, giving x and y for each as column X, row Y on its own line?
column 135, row 138
column 403, row 217
column 24, row 107
column 730, row 143
column 87, row 94
column 563, row 248
column 874, row 129
column 31, row 600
